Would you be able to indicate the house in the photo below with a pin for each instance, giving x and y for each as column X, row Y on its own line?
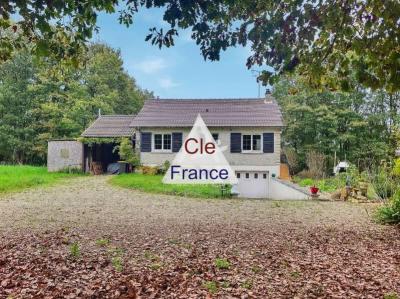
column 249, row 128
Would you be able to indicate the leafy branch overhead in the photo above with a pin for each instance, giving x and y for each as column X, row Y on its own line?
column 326, row 41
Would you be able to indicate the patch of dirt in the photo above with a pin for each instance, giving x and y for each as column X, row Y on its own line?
column 86, row 239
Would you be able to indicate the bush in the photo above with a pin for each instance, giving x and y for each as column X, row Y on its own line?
column 316, row 164
column 389, row 213
column 127, row 152
column 396, row 168
column 292, row 159
column 306, row 182
column 164, row 168
column 149, row 170
column 383, row 183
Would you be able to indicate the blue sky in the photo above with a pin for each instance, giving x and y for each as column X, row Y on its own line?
column 179, row 71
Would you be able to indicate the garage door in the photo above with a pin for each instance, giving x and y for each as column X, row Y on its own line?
column 252, row 184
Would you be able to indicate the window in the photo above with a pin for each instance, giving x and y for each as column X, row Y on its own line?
column 167, row 142
column 246, row 142
column 256, row 175
column 247, row 175
column 264, row 175
column 162, row 142
column 215, row 136
column 157, row 141
column 251, row 143
column 256, row 142
column 238, row 175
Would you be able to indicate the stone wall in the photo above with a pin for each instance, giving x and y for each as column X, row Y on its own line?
column 63, row 154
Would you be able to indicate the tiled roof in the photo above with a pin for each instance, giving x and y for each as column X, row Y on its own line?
column 110, row 126
column 263, row 112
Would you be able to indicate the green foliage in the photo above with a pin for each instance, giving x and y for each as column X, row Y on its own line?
column 383, row 183
column 306, row 182
column 15, row 178
column 153, row 184
column 396, row 168
column 71, row 170
column 74, row 250
column 325, row 185
column 164, row 168
column 127, row 152
column 102, row 242
column 326, row 41
column 222, row 263
column 247, row 284
column 93, row 140
column 211, row 286
column 357, row 125
column 389, row 213
column 41, row 99
column 117, row 263
column 391, row 296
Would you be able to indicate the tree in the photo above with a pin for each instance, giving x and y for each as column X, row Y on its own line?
column 41, row 99
column 356, row 125
column 324, row 40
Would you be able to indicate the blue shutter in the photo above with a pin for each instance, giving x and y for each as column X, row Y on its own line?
column 268, row 142
column 145, row 142
column 236, row 142
column 176, row 142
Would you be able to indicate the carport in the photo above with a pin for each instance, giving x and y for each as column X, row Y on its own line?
column 101, row 138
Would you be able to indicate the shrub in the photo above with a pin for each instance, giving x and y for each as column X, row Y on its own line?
column 292, row 159
column 389, row 213
column 315, row 163
column 164, row 168
column 149, row 170
column 306, row 182
column 383, row 183
column 396, row 168
column 127, row 152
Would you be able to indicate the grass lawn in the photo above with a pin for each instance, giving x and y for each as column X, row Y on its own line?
column 326, row 185
column 153, row 184
column 15, row 177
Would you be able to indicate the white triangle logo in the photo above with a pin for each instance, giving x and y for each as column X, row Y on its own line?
column 200, row 160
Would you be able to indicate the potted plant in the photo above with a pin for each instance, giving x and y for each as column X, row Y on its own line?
column 314, row 190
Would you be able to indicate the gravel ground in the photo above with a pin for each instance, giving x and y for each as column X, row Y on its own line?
column 136, row 245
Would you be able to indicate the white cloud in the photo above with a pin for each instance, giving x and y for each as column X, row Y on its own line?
column 152, row 65
column 167, row 83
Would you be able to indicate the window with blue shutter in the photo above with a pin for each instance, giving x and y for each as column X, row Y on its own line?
column 145, row 142
column 268, row 142
column 176, row 142
column 236, row 142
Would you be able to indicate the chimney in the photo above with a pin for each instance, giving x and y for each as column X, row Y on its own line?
column 99, row 113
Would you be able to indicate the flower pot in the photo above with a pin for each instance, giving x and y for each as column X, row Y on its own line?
column 314, row 190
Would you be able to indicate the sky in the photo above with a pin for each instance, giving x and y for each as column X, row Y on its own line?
column 179, row 71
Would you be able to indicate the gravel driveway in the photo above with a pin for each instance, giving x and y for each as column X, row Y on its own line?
column 168, row 247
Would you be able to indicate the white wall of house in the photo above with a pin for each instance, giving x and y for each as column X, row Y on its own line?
column 238, row 161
